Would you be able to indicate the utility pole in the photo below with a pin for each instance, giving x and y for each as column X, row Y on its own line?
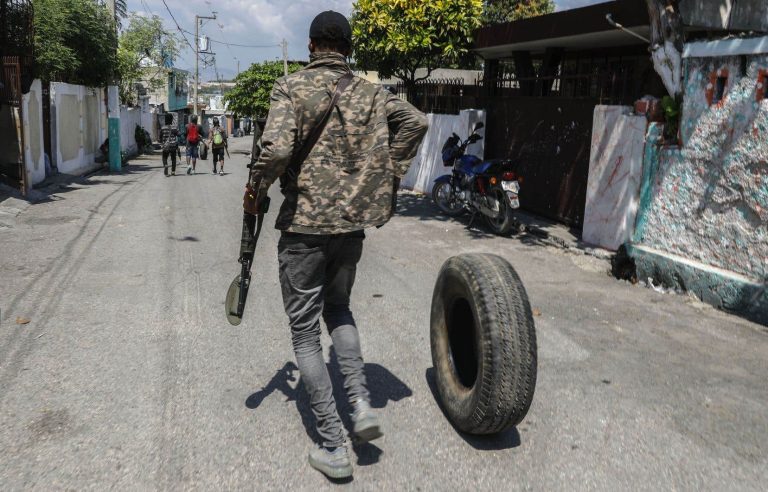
column 284, row 44
column 198, row 19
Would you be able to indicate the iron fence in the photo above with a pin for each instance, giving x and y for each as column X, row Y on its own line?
column 441, row 96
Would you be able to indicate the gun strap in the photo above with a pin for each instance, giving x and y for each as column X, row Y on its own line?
column 314, row 135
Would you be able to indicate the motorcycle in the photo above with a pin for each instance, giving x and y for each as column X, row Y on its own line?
column 489, row 188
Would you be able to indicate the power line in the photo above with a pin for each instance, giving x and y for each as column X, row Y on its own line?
column 240, row 45
column 182, row 31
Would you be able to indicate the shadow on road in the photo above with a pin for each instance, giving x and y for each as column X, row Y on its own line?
column 382, row 384
column 422, row 208
column 494, row 442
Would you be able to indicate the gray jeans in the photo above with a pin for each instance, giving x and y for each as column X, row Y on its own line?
column 316, row 276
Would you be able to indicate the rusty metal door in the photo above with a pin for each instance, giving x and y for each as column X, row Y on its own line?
column 548, row 139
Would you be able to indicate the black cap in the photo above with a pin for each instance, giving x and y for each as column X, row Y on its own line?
column 331, row 26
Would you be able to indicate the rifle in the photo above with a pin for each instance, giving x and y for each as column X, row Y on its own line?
column 238, row 289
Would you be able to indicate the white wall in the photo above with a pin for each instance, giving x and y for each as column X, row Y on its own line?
column 78, row 129
column 34, row 150
column 428, row 165
column 615, row 173
column 129, row 118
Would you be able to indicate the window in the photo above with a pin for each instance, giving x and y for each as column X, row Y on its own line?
column 719, row 89
column 761, row 91
column 718, row 82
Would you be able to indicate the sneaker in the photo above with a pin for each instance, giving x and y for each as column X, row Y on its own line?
column 173, row 173
column 214, row 170
column 221, row 173
column 189, row 170
column 366, row 422
column 334, row 464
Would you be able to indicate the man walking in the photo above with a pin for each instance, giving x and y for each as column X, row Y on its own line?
column 338, row 180
column 194, row 136
column 169, row 138
column 217, row 141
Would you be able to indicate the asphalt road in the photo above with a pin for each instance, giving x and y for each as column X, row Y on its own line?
column 129, row 377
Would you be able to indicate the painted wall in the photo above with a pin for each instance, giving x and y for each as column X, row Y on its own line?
column 78, row 115
column 615, row 171
column 428, row 165
column 34, row 157
column 708, row 201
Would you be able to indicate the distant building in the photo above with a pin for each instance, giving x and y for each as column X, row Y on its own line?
column 167, row 87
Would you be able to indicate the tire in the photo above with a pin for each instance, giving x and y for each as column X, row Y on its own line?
column 504, row 224
column 483, row 344
column 442, row 205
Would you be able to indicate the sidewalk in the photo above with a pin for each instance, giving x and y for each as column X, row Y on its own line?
column 559, row 235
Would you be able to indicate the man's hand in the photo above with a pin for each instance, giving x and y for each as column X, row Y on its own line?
column 250, row 205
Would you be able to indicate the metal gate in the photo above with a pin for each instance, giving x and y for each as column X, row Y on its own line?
column 12, row 168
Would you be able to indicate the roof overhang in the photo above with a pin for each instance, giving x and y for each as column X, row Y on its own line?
column 577, row 29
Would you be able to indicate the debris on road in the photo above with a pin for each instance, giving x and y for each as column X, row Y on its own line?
column 21, row 320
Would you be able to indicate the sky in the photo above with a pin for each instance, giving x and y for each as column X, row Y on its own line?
column 254, row 23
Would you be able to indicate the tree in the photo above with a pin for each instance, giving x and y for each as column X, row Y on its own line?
column 75, row 42
column 144, row 45
column 396, row 37
column 499, row 11
column 667, row 38
column 250, row 96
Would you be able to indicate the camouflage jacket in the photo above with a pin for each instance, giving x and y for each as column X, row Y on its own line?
column 347, row 181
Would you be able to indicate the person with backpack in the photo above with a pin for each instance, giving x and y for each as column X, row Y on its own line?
column 169, row 138
column 217, row 141
column 194, row 136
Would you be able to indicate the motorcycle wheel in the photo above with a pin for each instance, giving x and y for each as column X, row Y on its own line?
column 504, row 221
column 483, row 343
column 442, row 195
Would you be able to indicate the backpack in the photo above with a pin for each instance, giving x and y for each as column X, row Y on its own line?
column 217, row 138
column 192, row 136
column 170, row 143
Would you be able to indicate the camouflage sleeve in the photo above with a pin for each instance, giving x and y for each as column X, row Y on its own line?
column 407, row 126
column 277, row 141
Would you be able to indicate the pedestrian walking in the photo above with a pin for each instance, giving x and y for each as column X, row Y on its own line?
column 169, row 138
column 194, row 137
column 339, row 146
column 217, row 141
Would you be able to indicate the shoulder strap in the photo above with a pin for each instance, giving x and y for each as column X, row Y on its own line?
column 314, row 135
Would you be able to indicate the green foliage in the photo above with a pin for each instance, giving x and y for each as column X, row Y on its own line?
column 250, row 96
column 144, row 43
column 499, row 11
column 671, row 108
column 395, row 37
column 75, row 42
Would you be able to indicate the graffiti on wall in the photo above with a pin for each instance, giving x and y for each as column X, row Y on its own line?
column 710, row 196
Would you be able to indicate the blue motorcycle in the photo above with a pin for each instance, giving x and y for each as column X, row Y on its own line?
column 489, row 188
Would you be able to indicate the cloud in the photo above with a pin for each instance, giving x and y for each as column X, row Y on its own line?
column 254, row 22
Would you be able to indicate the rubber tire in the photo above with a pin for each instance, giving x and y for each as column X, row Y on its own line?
column 509, row 220
column 485, row 290
column 454, row 213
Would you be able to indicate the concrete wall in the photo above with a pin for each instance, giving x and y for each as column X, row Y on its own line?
column 428, row 165
column 34, row 155
column 741, row 15
column 615, row 172
column 78, row 117
column 129, row 118
column 711, row 196
column 703, row 219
